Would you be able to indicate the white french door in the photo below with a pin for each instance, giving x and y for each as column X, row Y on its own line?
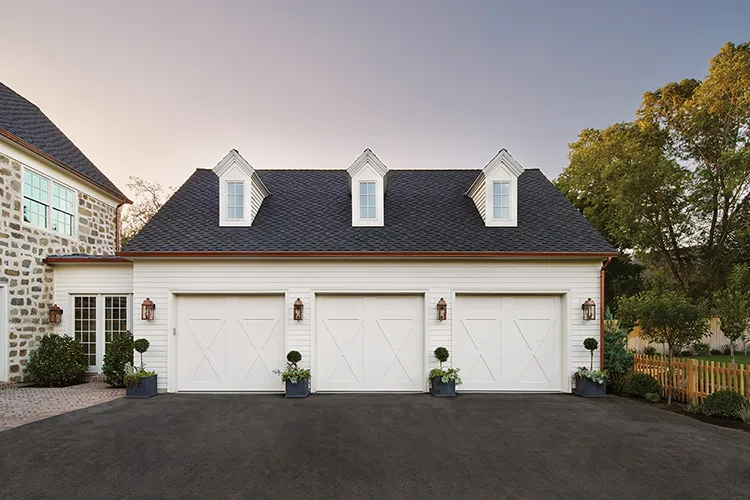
column 96, row 318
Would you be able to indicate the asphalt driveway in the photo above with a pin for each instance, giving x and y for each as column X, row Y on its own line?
column 373, row 446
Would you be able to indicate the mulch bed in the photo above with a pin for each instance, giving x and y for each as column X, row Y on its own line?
column 682, row 409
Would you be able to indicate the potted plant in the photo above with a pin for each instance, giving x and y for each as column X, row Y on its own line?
column 297, row 379
column 591, row 383
column 443, row 382
column 139, row 383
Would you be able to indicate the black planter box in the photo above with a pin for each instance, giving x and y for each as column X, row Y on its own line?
column 299, row 390
column 590, row 389
column 438, row 388
column 145, row 389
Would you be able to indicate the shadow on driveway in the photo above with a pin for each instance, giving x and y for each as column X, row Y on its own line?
column 373, row 446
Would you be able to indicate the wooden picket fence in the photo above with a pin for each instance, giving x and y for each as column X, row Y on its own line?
column 694, row 379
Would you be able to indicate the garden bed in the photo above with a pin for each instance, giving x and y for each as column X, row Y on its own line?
column 682, row 409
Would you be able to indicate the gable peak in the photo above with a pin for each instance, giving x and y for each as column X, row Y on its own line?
column 367, row 157
column 503, row 159
column 233, row 158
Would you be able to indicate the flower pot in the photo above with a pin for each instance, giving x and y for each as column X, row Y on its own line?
column 438, row 388
column 145, row 389
column 590, row 389
column 299, row 390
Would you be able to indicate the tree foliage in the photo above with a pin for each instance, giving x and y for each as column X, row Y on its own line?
column 149, row 197
column 665, row 316
column 732, row 305
column 674, row 185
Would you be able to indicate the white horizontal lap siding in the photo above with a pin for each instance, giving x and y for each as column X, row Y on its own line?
column 304, row 279
column 93, row 279
column 256, row 199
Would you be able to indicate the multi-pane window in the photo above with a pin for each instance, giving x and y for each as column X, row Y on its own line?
column 115, row 317
column 46, row 204
column 96, row 318
column 501, row 200
column 367, row 200
column 35, row 199
column 84, row 327
column 235, row 200
column 63, row 209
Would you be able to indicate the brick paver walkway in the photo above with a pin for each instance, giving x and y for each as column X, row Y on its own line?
column 28, row 404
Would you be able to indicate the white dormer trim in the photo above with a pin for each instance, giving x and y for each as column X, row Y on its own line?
column 234, row 168
column 368, row 168
column 502, row 168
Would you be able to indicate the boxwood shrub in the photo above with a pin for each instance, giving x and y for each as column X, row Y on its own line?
column 119, row 353
column 725, row 403
column 57, row 362
column 640, row 384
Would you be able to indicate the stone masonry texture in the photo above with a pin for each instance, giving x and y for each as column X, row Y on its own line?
column 22, row 252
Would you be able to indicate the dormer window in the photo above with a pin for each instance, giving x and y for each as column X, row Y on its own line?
column 235, row 200
column 241, row 191
column 501, row 200
column 368, row 183
column 495, row 191
column 368, row 200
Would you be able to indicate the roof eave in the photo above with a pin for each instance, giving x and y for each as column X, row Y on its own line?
column 215, row 254
column 14, row 138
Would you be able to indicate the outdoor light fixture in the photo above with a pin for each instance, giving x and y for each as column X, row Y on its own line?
column 298, row 307
column 442, row 310
column 55, row 314
column 589, row 310
column 148, row 309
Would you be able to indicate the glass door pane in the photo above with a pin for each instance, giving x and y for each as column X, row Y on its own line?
column 115, row 317
column 85, row 327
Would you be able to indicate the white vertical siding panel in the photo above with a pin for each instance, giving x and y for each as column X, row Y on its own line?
column 82, row 278
column 301, row 279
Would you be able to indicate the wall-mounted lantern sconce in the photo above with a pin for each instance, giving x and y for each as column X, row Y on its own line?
column 55, row 314
column 148, row 310
column 298, row 307
column 589, row 310
column 442, row 310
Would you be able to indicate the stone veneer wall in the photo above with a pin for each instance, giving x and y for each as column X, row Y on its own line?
column 22, row 250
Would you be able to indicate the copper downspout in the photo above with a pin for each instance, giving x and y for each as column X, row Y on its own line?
column 601, row 312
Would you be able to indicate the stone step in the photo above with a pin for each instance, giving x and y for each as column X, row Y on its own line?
column 94, row 377
column 5, row 386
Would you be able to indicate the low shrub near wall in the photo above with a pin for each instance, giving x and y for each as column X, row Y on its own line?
column 724, row 403
column 57, row 362
column 639, row 385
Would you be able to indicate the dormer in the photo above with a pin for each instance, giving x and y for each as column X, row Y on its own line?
column 241, row 192
column 368, row 181
column 495, row 191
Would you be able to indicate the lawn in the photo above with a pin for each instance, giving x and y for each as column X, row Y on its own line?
column 743, row 359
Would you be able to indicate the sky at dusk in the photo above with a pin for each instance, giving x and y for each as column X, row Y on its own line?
column 156, row 89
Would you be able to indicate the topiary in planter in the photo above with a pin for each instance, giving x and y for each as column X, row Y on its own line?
column 443, row 382
column 119, row 353
column 57, row 362
column 591, row 345
column 725, row 403
column 141, row 346
column 294, row 357
column 640, row 384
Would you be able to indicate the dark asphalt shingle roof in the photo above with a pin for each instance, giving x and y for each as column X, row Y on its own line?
column 24, row 120
column 425, row 211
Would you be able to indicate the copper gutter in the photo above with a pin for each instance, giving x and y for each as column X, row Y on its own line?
column 589, row 255
column 89, row 259
column 601, row 313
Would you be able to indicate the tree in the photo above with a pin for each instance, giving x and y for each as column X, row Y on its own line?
column 732, row 305
column 665, row 315
column 674, row 185
column 149, row 197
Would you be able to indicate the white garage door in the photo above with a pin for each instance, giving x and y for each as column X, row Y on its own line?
column 508, row 343
column 366, row 343
column 229, row 343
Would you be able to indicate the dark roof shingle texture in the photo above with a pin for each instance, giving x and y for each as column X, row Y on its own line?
column 425, row 211
column 26, row 121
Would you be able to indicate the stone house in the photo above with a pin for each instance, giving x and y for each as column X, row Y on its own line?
column 53, row 200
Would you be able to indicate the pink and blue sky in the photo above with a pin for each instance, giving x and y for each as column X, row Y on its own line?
column 158, row 88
